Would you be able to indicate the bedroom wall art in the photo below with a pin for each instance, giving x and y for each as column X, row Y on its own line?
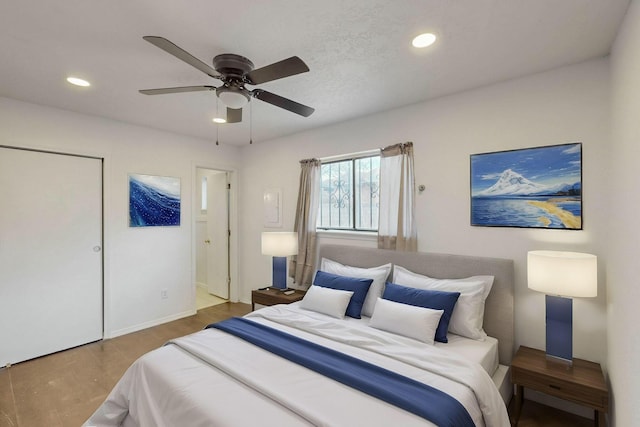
column 154, row 201
column 538, row 187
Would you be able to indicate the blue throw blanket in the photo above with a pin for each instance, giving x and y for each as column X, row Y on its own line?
column 403, row 392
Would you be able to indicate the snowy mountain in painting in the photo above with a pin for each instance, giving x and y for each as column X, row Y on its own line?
column 512, row 183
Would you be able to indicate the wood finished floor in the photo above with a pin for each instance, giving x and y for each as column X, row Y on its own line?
column 65, row 388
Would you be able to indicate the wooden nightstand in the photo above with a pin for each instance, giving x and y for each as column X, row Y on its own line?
column 583, row 383
column 273, row 296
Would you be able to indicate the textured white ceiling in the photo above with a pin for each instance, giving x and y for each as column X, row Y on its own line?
column 359, row 53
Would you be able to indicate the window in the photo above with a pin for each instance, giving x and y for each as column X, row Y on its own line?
column 349, row 194
column 203, row 196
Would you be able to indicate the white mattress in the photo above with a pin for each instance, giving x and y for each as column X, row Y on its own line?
column 483, row 352
column 503, row 383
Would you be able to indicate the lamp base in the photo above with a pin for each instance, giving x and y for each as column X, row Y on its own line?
column 559, row 328
column 559, row 360
column 279, row 273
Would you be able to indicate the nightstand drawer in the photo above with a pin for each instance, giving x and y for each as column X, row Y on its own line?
column 553, row 386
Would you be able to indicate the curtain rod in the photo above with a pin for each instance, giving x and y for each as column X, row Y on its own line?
column 350, row 155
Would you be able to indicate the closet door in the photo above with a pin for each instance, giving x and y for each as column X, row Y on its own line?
column 50, row 253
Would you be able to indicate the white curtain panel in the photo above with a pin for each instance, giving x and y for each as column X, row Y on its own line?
column 397, row 226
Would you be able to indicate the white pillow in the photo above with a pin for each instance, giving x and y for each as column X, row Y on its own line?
column 332, row 302
column 468, row 313
column 378, row 274
column 408, row 320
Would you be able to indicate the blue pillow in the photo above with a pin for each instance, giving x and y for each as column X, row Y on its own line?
column 436, row 300
column 358, row 286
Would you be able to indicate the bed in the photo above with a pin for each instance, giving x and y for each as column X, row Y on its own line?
column 289, row 365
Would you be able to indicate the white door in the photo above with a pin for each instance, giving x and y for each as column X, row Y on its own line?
column 50, row 253
column 218, row 234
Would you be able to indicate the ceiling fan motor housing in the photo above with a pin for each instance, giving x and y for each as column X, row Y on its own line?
column 231, row 65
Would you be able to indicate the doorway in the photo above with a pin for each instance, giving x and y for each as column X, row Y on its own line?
column 213, row 243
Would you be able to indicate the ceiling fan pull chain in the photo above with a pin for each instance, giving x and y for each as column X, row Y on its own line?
column 250, row 123
column 217, row 125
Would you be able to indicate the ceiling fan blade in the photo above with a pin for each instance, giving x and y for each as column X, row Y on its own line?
column 234, row 115
column 182, row 54
column 175, row 90
column 277, row 70
column 281, row 102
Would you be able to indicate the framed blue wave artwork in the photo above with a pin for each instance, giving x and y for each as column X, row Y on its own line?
column 154, row 201
column 538, row 187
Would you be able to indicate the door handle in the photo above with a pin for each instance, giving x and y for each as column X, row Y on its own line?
column 207, row 241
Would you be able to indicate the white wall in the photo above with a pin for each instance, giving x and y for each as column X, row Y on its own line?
column 624, row 247
column 565, row 105
column 139, row 262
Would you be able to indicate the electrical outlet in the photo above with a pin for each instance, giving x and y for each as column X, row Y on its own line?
column 164, row 294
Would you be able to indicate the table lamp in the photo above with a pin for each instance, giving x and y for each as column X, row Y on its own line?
column 279, row 245
column 560, row 275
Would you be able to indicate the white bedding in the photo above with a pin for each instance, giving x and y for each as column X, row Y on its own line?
column 176, row 385
column 483, row 352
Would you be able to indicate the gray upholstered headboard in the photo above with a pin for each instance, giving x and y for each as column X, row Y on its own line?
column 498, row 314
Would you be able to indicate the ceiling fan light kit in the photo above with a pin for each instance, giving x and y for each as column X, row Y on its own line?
column 232, row 98
column 235, row 72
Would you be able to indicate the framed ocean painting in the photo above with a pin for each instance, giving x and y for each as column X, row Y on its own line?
column 537, row 187
column 154, row 201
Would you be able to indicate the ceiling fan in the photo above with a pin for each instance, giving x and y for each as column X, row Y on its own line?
column 235, row 72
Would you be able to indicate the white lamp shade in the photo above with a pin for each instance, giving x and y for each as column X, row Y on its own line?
column 281, row 243
column 570, row 274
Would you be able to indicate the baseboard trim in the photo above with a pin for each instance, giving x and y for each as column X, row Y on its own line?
column 149, row 324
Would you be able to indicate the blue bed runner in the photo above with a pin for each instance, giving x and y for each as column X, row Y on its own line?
column 403, row 392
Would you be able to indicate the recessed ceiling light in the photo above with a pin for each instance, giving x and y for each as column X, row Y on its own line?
column 219, row 120
column 424, row 40
column 78, row 82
